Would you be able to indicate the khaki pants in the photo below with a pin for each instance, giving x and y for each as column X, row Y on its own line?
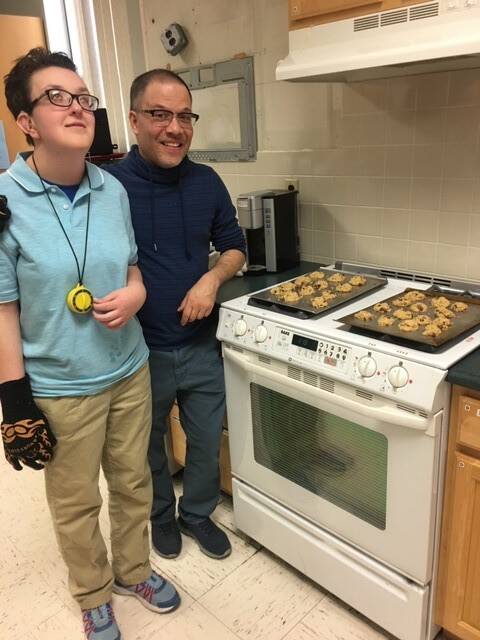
column 110, row 429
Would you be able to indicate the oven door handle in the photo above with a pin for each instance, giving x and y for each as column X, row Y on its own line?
column 383, row 414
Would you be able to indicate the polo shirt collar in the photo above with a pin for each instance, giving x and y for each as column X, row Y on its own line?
column 28, row 179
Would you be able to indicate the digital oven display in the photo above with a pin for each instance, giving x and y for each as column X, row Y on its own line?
column 305, row 343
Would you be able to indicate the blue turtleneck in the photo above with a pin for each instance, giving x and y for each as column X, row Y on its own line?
column 176, row 213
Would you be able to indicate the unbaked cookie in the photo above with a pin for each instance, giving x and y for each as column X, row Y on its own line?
column 329, row 295
column 443, row 311
column 301, row 280
column 414, row 296
column 291, row 296
column 440, row 302
column 402, row 302
column 364, row 316
column 442, row 322
column 320, row 284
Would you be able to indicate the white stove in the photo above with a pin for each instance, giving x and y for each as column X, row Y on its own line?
column 337, row 443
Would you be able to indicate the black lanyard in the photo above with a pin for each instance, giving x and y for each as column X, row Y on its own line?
column 45, row 191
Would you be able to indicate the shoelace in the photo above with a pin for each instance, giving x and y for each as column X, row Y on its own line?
column 207, row 527
column 91, row 620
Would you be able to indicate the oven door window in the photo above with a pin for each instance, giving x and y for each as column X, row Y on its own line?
column 338, row 460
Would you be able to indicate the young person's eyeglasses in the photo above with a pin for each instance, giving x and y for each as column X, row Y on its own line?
column 163, row 117
column 62, row 98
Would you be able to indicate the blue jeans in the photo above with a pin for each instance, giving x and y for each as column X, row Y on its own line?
column 194, row 375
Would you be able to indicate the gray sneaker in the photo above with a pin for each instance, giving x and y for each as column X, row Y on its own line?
column 99, row 623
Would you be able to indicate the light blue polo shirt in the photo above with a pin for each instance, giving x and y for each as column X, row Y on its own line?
column 67, row 354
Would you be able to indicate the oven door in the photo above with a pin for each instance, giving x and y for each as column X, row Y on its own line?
column 353, row 463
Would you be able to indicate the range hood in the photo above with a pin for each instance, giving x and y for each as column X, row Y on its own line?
column 423, row 38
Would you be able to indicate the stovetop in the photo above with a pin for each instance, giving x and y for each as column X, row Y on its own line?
column 327, row 325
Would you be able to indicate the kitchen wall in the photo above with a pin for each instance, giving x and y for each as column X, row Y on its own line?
column 388, row 170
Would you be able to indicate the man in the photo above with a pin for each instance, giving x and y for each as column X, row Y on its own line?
column 178, row 208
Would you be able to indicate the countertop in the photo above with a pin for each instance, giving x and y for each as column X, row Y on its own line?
column 241, row 285
column 466, row 372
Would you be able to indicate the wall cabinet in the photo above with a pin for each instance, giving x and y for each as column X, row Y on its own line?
column 179, row 450
column 458, row 598
column 307, row 13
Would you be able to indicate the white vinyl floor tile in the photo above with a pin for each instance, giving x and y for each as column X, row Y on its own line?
column 252, row 595
column 263, row 599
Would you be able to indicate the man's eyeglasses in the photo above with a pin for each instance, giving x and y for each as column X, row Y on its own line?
column 62, row 98
column 163, row 117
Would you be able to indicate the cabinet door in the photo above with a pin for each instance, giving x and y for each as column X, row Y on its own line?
column 300, row 9
column 461, row 614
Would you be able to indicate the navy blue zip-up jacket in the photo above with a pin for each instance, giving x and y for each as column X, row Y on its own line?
column 176, row 213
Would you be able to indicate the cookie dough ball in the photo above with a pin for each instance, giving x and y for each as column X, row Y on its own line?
column 443, row 311
column 442, row 322
column 459, row 307
column 319, row 302
column 357, row 281
column 344, row 288
column 432, row 331
column 364, row 316
column 385, row 321
column 402, row 314
column 382, row 307
column 317, row 275
column 408, row 325
column 288, row 286
column 337, row 277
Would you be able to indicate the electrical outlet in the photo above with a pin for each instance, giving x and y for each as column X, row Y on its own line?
column 291, row 184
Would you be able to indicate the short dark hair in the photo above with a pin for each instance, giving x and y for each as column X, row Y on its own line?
column 17, row 81
column 142, row 81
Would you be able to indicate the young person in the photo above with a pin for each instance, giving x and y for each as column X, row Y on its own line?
column 178, row 208
column 74, row 378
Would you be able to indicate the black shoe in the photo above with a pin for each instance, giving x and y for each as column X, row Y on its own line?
column 166, row 539
column 210, row 538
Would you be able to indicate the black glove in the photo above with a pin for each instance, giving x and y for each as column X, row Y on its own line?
column 4, row 212
column 26, row 434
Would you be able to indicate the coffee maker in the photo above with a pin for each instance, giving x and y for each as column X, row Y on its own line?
column 269, row 220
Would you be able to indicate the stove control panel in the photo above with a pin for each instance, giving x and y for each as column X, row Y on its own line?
column 370, row 370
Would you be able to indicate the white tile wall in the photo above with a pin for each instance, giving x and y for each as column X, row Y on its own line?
column 388, row 170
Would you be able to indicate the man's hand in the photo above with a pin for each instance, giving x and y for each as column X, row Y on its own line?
column 199, row 300
column 118, row 307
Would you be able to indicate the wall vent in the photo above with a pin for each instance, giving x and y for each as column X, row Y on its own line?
column 310, row 378
column 393, row 17
column 415, row 277
column 369, row 22
column 424, row 11
column 364, row 394
column 424, row 414
column 294, row 373
column 327, row 385
column 388, row 18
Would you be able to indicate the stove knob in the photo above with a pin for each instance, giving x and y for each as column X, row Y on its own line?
column 240, row 327
column 397, row 376
column 366, row 366
column 261, row 333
